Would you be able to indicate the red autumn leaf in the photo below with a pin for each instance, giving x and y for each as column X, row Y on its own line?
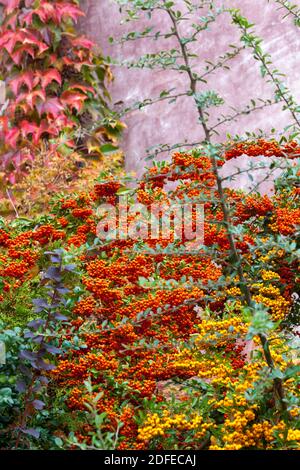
column 50, row 76
column 23, row 107
column 26, row 78
column 67, row 61
column 62, row 121
column 32, row 98
column 17, row 56
column 83, row 55
column 51, row 106
column 18, row 159
column 3, row 123
column 38, row 130
column 76, row 64
column 27, row 19
column 12, row 21
column 82, row 42
column 46, row 128
column 84, row 88
column 70, row 143
column 6, row 158
column 66, row 10
column 12, row 178
column 10, row 5
column 11, row 137
column 45, row 13
column 28, row 128
column 30, row 38
column 73, row 99
column 10, row 39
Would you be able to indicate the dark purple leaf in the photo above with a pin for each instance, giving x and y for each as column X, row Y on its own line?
column 20, row 386
column 29, row 334
column 38, row 309
column 41, row 352
column 25, row 371
column 59, row 316
column 31, row 432
column 70, row 267
column 34, row 365
column 44, row 380
column 55, row 259
column 38, row 404
column 53, row 273
column 37, row 387
column 41, row 303
column 62, row 290
column 44, row 365
column 28, row 355
column 54, row 304
column 52, row 349
column 38, row 339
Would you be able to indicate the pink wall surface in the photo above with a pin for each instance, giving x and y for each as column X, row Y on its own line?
column 163, row 123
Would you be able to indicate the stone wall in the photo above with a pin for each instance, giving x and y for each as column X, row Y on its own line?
column 164, row 123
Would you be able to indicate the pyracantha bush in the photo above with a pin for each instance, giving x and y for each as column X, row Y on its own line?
column 171, row 352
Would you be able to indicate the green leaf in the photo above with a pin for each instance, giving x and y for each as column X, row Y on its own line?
column 169, row 4
column 108, row 148
column 58, row 441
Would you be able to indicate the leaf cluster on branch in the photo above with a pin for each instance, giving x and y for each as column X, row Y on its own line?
column 55, row 84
